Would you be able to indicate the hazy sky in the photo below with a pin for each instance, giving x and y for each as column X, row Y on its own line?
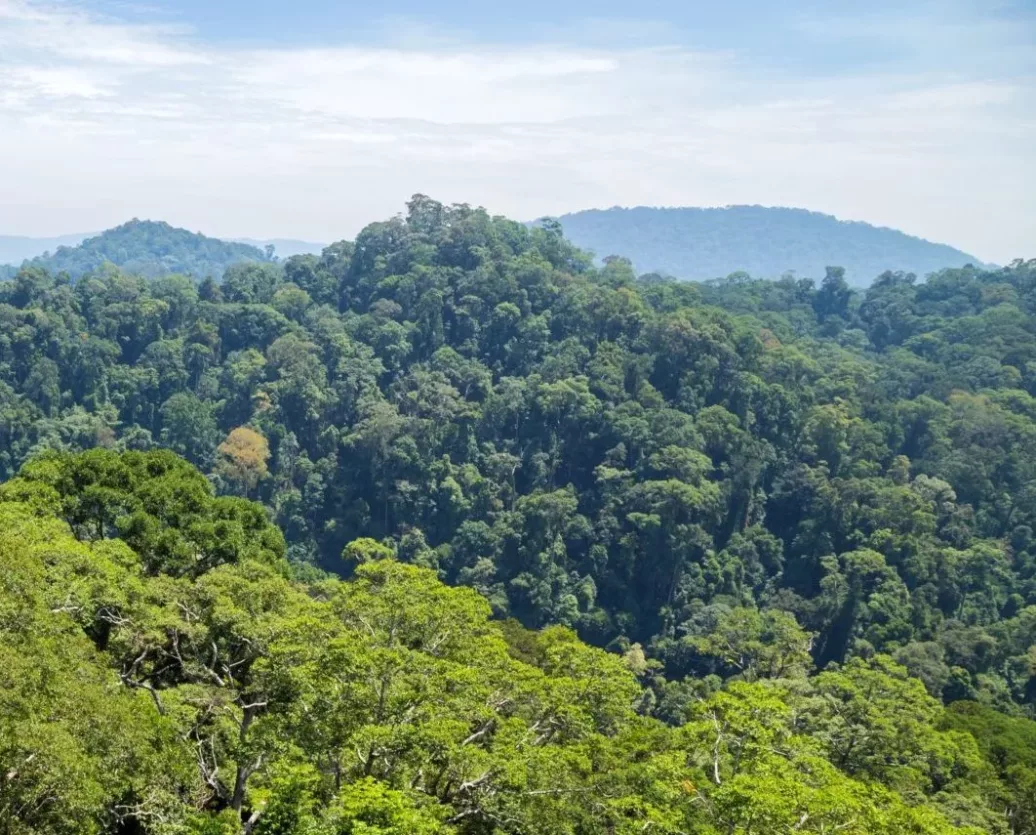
column 310, row 119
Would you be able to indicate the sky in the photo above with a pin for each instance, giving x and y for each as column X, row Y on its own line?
column 310, row 119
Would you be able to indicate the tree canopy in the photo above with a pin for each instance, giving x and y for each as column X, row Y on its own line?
column 703, row 557
column 234, row 699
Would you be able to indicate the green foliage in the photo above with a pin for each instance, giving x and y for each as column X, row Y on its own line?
column 729, row 486
column 753, row 645
column 627, row 457
column 366, row 549
column 237, row 701
column 157, row 502
column 371, row 808
column 1009, row 744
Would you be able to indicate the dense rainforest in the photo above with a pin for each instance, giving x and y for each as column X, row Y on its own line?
column 162, row 672
column 736, row 557
column 763, row 241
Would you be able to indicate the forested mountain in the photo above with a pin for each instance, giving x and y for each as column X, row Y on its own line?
column 150, row 248
column 16, row 249
column 702, row 244
column 798, row 518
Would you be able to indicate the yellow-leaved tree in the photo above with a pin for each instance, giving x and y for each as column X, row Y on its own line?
column 243, row 457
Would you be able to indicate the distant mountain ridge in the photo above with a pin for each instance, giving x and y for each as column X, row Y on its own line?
column 703, row 243
column 17, row 248
column 689, row 243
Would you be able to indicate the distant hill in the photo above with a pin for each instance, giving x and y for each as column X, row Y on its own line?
column 150, row 248
column 699, row 244
column 17, row 248
column 285, row 247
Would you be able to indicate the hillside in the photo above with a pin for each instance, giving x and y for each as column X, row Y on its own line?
column 740, row 557
column 150, row 248
column 701, row 244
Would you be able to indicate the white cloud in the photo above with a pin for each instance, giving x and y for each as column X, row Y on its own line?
column 102, row 120
column 71, row 33
column 22, row 83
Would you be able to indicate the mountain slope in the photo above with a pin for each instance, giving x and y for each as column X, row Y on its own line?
column 150, row 248
column 700, row 244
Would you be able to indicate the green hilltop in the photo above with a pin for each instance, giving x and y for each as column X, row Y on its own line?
column 150, row 248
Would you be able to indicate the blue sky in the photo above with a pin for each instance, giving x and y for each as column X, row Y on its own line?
column 310, row 119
